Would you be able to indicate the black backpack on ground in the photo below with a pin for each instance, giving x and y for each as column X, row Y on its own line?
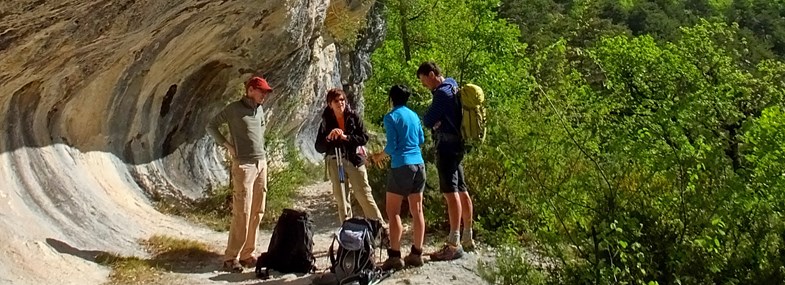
column 291, row 246
column 353, row 262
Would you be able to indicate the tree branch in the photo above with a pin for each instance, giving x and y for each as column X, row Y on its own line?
column 423, row 11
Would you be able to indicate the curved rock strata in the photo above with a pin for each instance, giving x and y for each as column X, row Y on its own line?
column 104, row 104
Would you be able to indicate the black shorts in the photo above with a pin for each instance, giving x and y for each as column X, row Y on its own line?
column 449, row 165
column 407, row 179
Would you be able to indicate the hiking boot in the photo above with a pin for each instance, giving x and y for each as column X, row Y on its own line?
column 468, row 245
column 413, row 260
column 233, row 266
column 393, row 263
column 248, row 262
column 448, row 252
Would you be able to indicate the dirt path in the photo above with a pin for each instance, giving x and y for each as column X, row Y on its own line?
column 316, row 199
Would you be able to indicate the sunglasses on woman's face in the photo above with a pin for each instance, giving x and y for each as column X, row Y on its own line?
column 339, row 99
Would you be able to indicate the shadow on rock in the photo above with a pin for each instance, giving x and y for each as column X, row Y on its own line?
column 62, row 247
column 187, row 261
column 234, row 277
column 275, row 279
column 184, row 260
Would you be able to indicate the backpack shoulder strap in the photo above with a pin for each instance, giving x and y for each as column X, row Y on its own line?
column 308, row 240
column 458, row 109
column 331, row 251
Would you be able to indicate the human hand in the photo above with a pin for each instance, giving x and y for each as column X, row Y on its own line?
column 231, row 149
column 335, row 134
column 437, row 125
column 378, row 159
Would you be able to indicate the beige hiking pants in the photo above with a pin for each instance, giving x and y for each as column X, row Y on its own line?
column 248, row 202
column 358, row 180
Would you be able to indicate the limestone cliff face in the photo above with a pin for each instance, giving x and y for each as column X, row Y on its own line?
column 105, row 102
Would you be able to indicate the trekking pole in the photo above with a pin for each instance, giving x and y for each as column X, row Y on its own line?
column 342, row 177
column 340, row 164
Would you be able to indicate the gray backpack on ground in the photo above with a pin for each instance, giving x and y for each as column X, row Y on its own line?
column 353, row 261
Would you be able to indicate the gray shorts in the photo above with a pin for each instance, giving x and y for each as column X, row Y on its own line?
column 450, row 168
column 407, row 179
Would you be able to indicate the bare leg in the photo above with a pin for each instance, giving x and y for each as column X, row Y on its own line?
column 418, row 219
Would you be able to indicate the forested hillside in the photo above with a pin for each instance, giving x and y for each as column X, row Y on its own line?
column 761, row 22
column 630, row 142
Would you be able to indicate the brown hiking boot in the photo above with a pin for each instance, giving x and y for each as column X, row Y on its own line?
column 448, row 252
column 233, row 266
column 393, row 263
column 413, row 260
column 248, row 262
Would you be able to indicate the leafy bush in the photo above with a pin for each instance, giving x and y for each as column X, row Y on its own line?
column 647, row 159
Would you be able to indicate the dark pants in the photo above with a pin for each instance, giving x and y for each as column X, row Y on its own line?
column 449, row 158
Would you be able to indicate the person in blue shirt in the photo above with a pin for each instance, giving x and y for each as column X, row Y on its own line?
column 444, row 118
column 406, row 177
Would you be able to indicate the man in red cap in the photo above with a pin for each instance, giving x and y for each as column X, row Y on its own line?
column 245, row 119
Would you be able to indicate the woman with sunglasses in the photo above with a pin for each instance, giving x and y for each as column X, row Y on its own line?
column 342, row 130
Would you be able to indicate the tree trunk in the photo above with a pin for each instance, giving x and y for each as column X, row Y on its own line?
column 402, row 10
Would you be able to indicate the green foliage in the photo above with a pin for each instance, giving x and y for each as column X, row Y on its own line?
column 283, row 184
column 465, row 38
column 630, row 142
column 765, row 151
column 582, row 23
column 468, row 41
column 661, row 192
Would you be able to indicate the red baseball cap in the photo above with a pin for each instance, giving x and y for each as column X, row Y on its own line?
column 258, row 83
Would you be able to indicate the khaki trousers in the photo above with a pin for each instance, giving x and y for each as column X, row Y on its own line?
column 248, row 202
column 357, row 177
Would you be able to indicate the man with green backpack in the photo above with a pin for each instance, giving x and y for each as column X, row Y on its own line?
column 454, row 125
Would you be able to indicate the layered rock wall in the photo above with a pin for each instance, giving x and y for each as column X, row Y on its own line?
column 104, row 105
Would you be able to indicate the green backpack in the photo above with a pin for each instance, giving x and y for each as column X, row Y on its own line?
column 473, row 123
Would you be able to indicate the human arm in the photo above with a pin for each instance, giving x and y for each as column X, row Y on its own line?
column 392, row 136
column 214, row 131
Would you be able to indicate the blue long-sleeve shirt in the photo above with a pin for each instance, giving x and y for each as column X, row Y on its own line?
column 404, row 137
column 444, row 109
